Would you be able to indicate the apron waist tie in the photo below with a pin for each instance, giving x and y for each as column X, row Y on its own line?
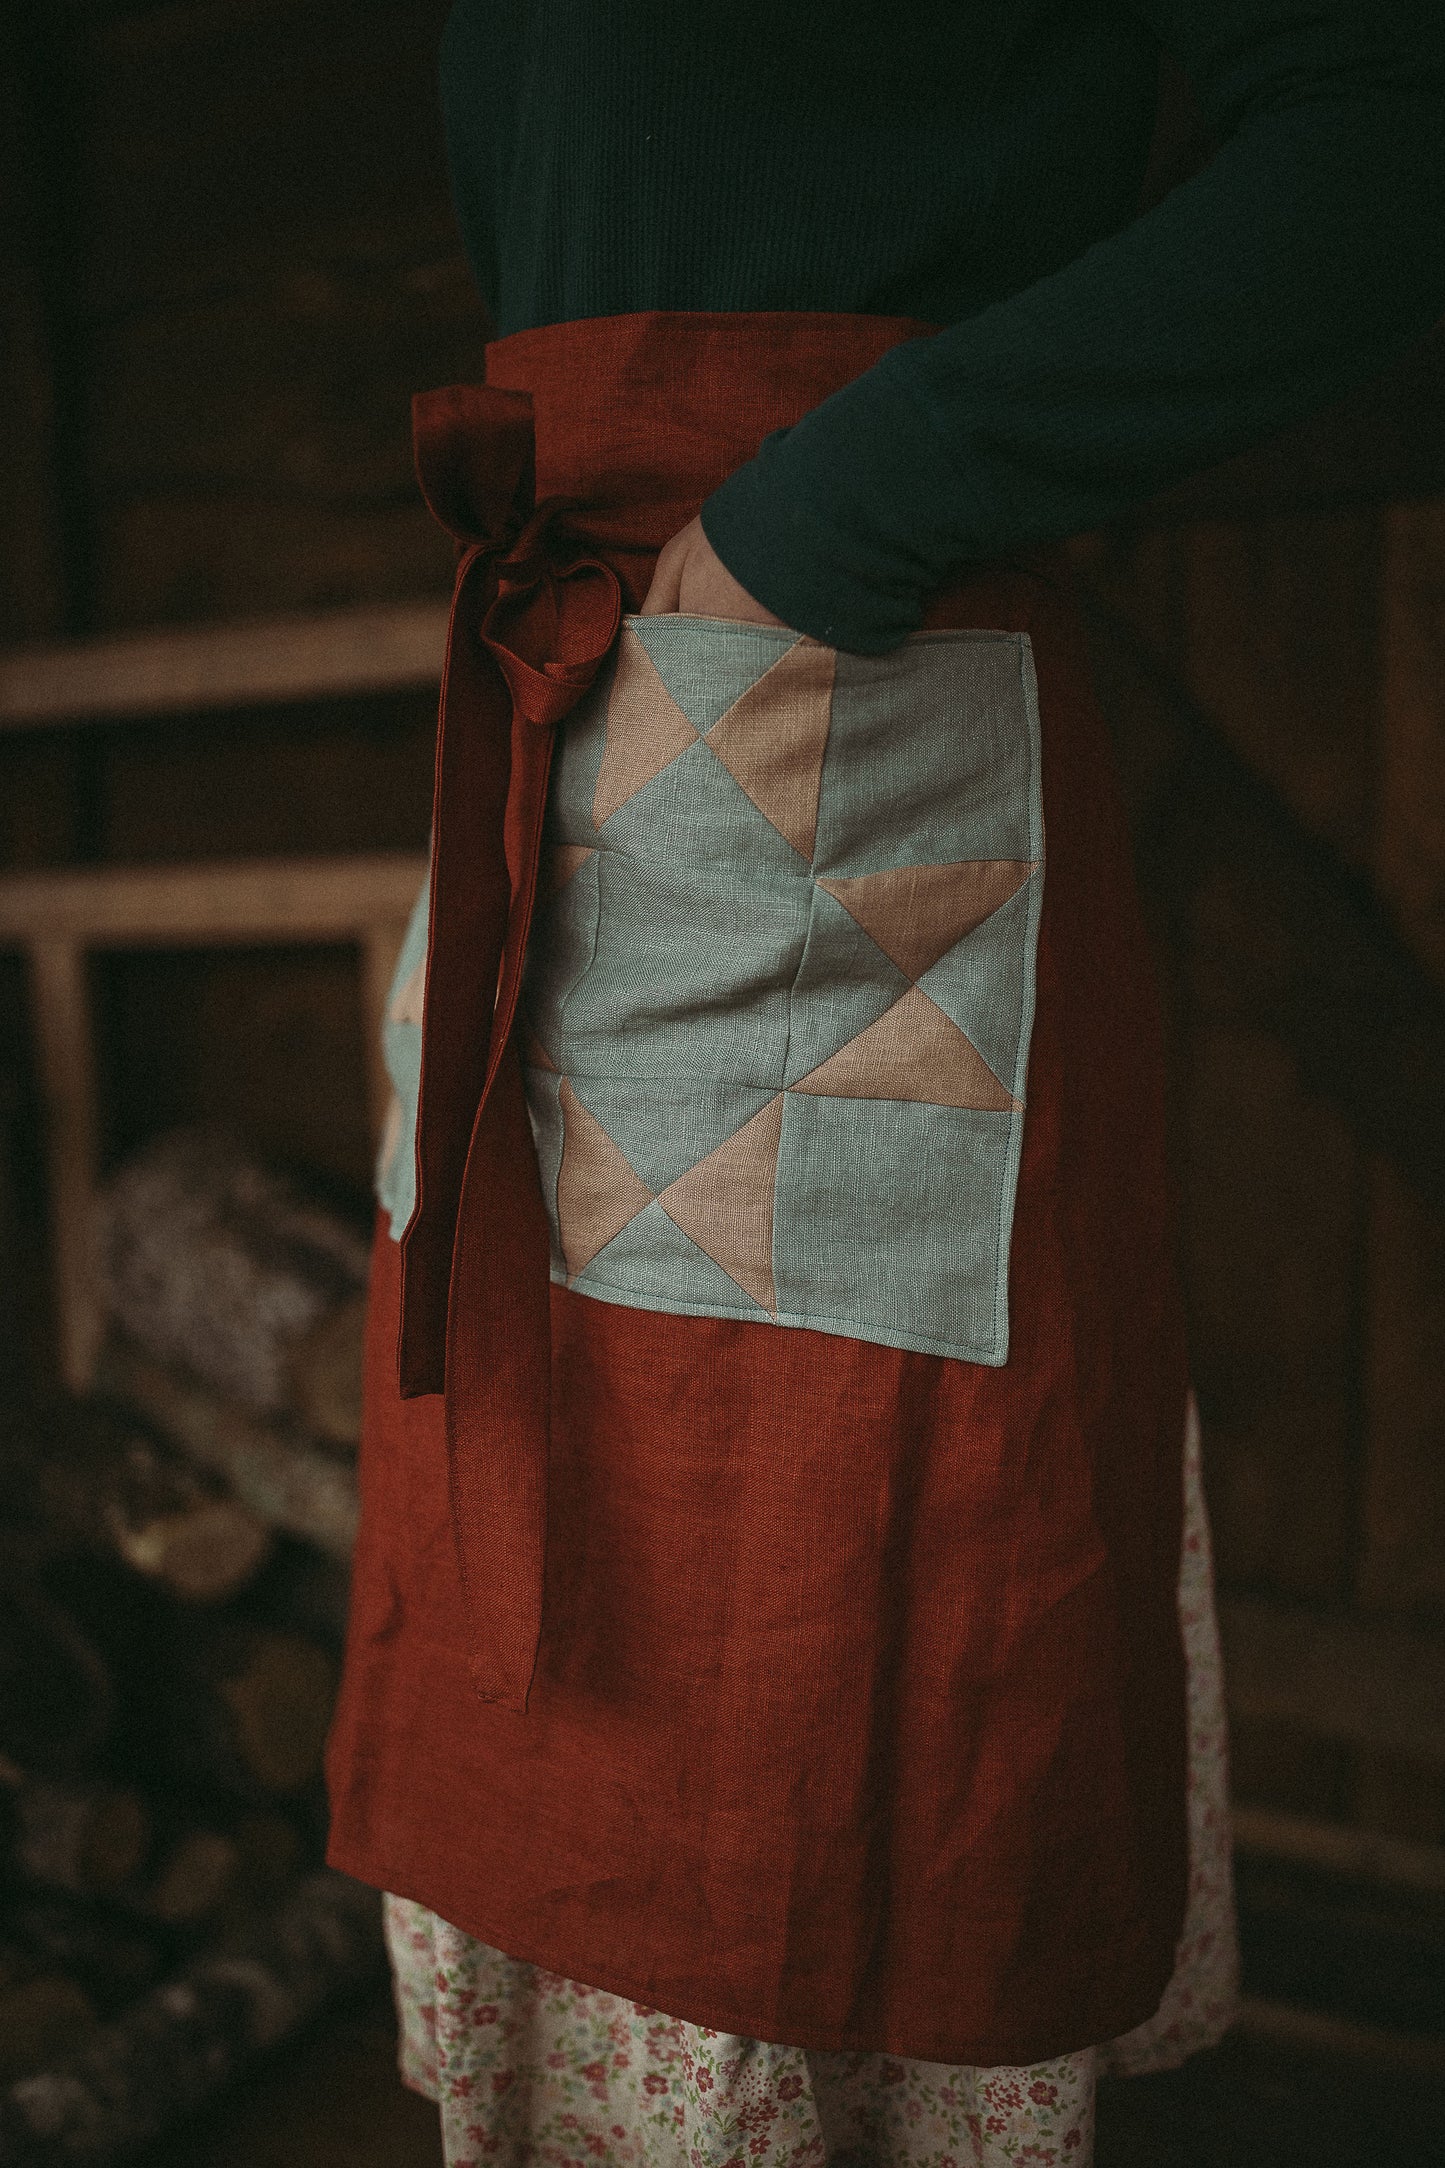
column 532, row 621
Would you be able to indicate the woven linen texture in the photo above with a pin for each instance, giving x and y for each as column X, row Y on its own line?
column 830, row 1624
column 516, row 2056
column 779, row 996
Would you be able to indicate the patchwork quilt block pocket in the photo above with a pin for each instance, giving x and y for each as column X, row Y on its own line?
column 780, row 993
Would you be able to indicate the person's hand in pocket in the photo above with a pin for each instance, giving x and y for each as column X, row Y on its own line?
column 691, row 578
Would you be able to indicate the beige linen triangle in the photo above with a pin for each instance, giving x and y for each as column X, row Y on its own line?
column 646, row 729
column 917, row 913
column 565, row 860
column 913, row 1052
column 598, row 1190
column 725, row 1204
column 390, row 1134
column 534, row 1054
column 773, row 738
column 407, row 1004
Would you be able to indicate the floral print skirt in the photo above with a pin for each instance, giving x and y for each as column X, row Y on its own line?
column 527, row 2066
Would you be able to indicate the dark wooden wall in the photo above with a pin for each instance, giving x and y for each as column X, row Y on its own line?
column 1315, row 1266
column 226, row 260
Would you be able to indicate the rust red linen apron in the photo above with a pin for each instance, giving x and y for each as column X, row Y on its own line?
column 815, row 1689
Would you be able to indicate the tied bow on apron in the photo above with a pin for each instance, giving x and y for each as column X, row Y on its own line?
column 531, row 623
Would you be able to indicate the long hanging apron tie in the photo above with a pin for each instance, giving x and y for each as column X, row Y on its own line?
column 531, row 623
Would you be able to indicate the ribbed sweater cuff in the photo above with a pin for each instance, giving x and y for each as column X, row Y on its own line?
column 842, row 525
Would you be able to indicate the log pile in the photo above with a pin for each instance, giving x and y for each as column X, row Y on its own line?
column 81, row 1473
column 227, row 1270
column 173, row 2047
column 174, row 1570
column 288, row 1479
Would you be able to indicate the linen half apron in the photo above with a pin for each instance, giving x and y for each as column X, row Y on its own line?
column 520, row 2061
column 765, row 1606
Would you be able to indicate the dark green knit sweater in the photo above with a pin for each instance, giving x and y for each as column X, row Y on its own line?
column 975, row 164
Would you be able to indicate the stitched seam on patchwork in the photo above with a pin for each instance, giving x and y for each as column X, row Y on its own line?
column 1008, row 1188
column 852, row 1328
column 610, row 1077
column 993, row 1222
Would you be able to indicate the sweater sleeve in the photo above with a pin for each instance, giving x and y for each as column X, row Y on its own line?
column 1303, row 258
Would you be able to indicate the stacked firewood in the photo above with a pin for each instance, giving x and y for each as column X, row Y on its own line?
column 174, row 1557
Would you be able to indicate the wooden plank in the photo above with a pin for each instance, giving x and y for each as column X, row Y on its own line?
column 1314, row 2033
column 42, row 806
column 1297, row 941
column 303, row 779
column 1410, row 837
column 1383, row 443
column 1402, row 1537
column 176, row 555
column 63, row 189
column 1397, row 1796
column 266, row 1040
column 1355, row 1855
column 1272, row 1221
column 218, row 164
column 265, row 267
column 66, row 1053
column 1141, row 578
column 1401, row 1566
column 32, row 597
column 1402, row 1561
column 1273, row 630
column 32, row 583
column 251, row 900
column 376, row 649
column 1281, row 645
column 1282, row 1770
column 56, row 917
column 257, row 447
column 1336, row 1675
column 292, row 387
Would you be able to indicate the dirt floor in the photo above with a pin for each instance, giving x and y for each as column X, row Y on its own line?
column 333, row 2100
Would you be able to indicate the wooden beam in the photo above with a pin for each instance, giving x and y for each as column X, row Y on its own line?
column 1401, row 1538
column 1352, row 1855
column 1308, row 949
column 1360, row 1681
column 1383, row 444
column 216, row 902
column 65, row 1048
column 49, row 195
column 382, row 648
column 1336, row 2040
column 57, row 917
